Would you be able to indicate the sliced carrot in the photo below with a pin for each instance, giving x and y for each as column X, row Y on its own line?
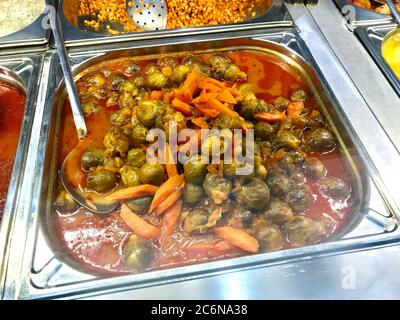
column 189, row 86
column 141, row 191
column 170, row 221
column 182, row 107
column 170, row 165
column 157, row 95
column 219, row 106
column 138, row 225
column 169, row 201
column 211, row 250
column 295, row 109
column 169, row 96
column 226, row 96
column 239, row 238
column 169, row 186
column 210, row 87
column 271, row 117
column 200, row 122
column 215, row 82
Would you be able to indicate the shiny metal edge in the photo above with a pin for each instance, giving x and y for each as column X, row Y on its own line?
column 372, row 38
column 25, row 69
column 356, row 16
column 24, row 289
column 276, row 16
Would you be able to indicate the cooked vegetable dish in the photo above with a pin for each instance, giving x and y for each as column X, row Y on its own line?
column 367, row 4
column 296, row 191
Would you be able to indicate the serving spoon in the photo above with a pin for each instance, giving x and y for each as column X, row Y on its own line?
column 149, row 15
column 78, row 117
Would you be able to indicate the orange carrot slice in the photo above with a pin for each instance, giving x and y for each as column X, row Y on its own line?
column 182, row 107
column 170, row 165
column 271, row 117
column 226, row 96
column 141, row 191
column 239, row 238
column 170, row 221
column 295, row 109
column 169, row 186
column 219, row 106
column 200, row 122
column 169, row 201
column 138, row 225
column 157, row 95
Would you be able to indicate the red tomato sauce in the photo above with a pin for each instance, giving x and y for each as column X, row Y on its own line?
column 12, row 106
column 96, row 241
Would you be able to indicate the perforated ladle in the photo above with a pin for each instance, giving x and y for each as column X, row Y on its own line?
column 149, row 15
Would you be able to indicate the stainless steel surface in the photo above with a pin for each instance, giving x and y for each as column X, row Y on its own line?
column 372, row 38
column 356, row 16
column 275, row 16
column 76, row 107
column 22, row 71
column 32, row 35
column 149, row 15
column 395, row 13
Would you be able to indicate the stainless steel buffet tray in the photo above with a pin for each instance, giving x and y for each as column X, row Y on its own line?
column 38, row 270
column 372, row 38
column 22, row 71
column 274, row 16
column 356, row 16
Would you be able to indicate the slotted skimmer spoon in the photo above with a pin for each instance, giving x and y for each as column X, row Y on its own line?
column 149, row 15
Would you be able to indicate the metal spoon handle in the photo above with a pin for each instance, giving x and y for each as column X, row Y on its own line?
column 66, row 67
column 393, row 8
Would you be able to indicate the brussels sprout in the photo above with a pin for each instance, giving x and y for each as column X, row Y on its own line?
column 264, row 131
column 163, row 122
column 138, row 253
column 99, row 92
column 286, row 139
column 195, row 170
column 231, row 171
column 298, row 95
column 96, row 79
column 251, row 106
column 113, row 99
column 299, row 198
column 254, row 195
column 129, row 176
column 226, row 122
column 315, row 168
column 152, row 173
column 126, row 100
column 91, row 158
column 217, row 188
column 136, row 158
column 156, row 80
column 121, row 117
column 246, row 89
column 167, row 61
column 115, row 80
column 148, row 111
column 268, row 235
column 66, row 202
column 101, row 180
column 219, row 61
column 151, row 68
column 278, row 182
column 128, row 86
column 130, row 68
column 278, row 212
column 193, row 193
column 196, row 65
column 114, row 163
column 303, row 231
column 139, row 81
column 90, row 106
column 210, row 144
column 179, row 74
column 335, row 187
column 140, row 206
column 139, row 134
column 281, row 103
column 320, row 140
column 233, row 73
column 195, row 220
column 115, row 140
column 243, row 216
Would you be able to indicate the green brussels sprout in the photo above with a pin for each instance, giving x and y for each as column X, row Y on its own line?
column 113, row 162
column 210, row 144
column 99, row 92
column 251, row 106
column 121, row 117
column 244, row 217
column 320, row 140
column 264, row 131
column 231, row 171
column 195, row 170
column 115, row 79
column 128, row 86
column 167, row 61
column 226, row 122
column 113, row 100
column 148, row 111
column 139, row 81
column 268, row 235
column 163, row 122
column 140, row 206
column 66, row 202
column 315, row 168
column 139, row 134
column 156, row 80
column 299, row 95
column 246, row 89
column 217, row 188
column 101, row 180
column 138, row 253
column 91, row 158
column 90, row 106
column 233, row 73
column 130, row 68
column 196, row 65
column 179, row 74
column 193, row 193
column 335, row 187
column 152, row 173
column 126, row 100
column 219, row 64
column 129, row 176
column 281, row 103
column 96, row 79
column 116, row 141
column 254, row 195
column 136, row 158
column 303, row 231
column 299, row 197
column 151, row 68
column 278, row 181
column 286, row 139
column 195, row 220
column 278, row 212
